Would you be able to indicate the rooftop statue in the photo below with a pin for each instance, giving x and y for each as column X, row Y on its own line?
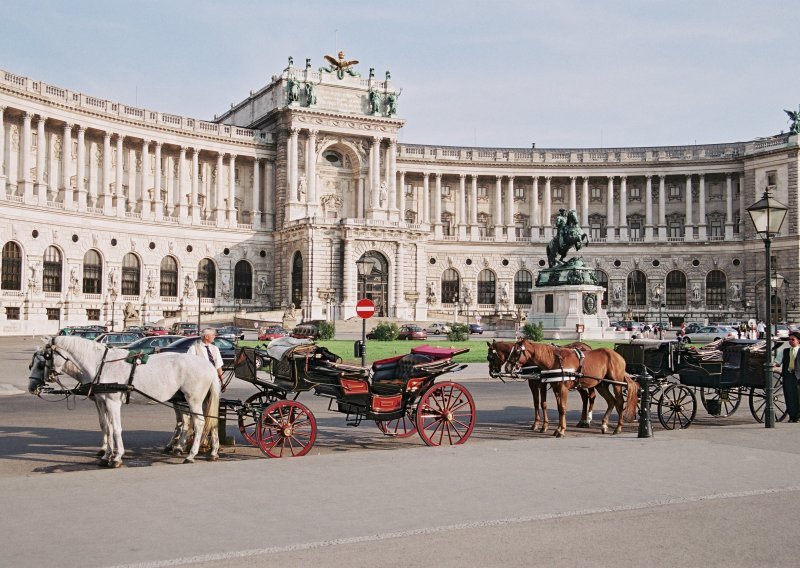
column 794, row 117
column 340, row 66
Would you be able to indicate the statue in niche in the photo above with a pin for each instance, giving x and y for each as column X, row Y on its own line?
column 504, row 295
column 618, row 292
column 74, row 283
column 431, row 296
column 226, row 286
column 736, row 292
column 301, row 189
column 468, row 295
column 383, row 194
column 151, row 283
column 112, row 280
column 188, row 286
column 262, row 285
column 33, row 281
column 696, row 292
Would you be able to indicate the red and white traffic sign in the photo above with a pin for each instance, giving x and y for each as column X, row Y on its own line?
column 365, row 309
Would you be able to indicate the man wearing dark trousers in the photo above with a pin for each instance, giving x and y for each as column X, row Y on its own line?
column 790, row 373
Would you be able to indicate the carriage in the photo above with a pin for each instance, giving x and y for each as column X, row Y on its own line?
column 722, row 375
column 400, row 394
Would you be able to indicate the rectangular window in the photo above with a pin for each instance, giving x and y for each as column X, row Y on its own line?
column 636, row 193
column 558, row 194
column 482, row 191
column 445, row 191
column 93, row 314
column 635, row 230
column 717, row 229
column 53, row 314
column 520, row 229
column 736, row 222
column 596, row 231
column 519, row 192
column 169, row 314
column 596, row 194
column 409, row 189
column 772, row 179
column 675, row 229
column 674, row 192
column 12, row 313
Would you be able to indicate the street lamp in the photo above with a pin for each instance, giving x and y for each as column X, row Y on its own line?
column 113, row 301
column 364, row 269
column 767, row 215
column 200, row 284
column 59, row 305
column 660, row 295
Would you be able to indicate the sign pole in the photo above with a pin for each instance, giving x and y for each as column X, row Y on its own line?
column 363, row 342
column 365, row 309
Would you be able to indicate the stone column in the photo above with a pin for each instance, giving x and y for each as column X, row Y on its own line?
column 728, row 207
column 169, row 186
column 611, row 232
column 66, row 167
column 623, row 209
column 183, row 206
column 147, row 207
column 219, row 195
column 585, row 204
column 701, row 206
column 426, row 198
column 373, row 211
column 291, row 165
column 361, row 195
column 118, row 177
column 402, row 190
column 311, row 167
column 158, row 204
column 25, row 183
column 399, row 270
column 41, row 162
column 688, row 228
column 437, row 207
column 232, row 218
column 461, row 207
column 80, row 169
column 195, row 184
column 3, row 155
column 348, row 288
column 391, row 177
column 255, row 213
column 474, row 231
column 269, row 195
column 535, row 209
column 662, row 207
column 93, row 172
column 511, row 235
column 498, row 208
column 648, row 208
column 547, row 202
column 573, row 191
column 108, row 204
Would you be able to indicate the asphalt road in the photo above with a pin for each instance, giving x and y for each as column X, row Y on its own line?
column 724, row 492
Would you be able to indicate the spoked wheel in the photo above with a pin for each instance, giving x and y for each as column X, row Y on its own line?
column 726, row 400
column 758, row 401
column 251, row 412
column 677, row 407
column 445, row 414
column 286, row 429
column 399, row 427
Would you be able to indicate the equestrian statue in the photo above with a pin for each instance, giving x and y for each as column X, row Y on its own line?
column 568, row 235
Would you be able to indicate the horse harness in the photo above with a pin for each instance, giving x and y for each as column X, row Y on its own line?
column 565, row 374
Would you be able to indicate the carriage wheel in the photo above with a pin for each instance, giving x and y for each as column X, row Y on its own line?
column 677, row 407
column 758, row 401
column 286, row 429
column 728, row 399
column 399, row 427
column 251, row 412
column 445, row 415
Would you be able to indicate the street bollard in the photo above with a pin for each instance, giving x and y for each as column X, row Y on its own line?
column 645, row 428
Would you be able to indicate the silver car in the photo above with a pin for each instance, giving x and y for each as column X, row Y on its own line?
column 711, row 333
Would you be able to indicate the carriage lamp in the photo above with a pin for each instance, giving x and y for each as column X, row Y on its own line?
column 660, row 295
column 767, row 215
column 199, row 283
column 113, row 301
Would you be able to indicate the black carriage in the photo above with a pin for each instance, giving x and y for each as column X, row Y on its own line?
column 399, row 394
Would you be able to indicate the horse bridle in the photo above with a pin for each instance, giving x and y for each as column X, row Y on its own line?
column 495, row 365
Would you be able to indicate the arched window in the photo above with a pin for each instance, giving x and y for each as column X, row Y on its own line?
column 169, row 277
column 486, row 287
column 676, row 288
column 207, row 272
column 92, row 272
column 602, row 280
column 52, row 269
column 12, row 267
column 374, row 285
column 523, row 284
column 297, row 279
column 243, row 281
column 716, row 289
column 637, row 288
column 131, row 275
column 451, row 284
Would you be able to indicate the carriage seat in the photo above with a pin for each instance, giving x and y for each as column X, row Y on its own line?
column 392, row 376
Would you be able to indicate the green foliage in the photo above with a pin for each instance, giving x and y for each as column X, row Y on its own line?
column 385, row 332
column 327, row 330
column 533, row 331
column 458, row 332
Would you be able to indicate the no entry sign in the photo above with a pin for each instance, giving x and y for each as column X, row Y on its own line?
column 365, row 309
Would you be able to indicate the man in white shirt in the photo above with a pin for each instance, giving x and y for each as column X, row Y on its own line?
column 790, row 373
column 204, row 347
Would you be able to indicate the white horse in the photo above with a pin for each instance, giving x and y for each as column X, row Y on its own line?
column 160, row 378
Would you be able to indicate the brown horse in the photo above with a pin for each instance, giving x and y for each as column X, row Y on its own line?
column 599, row 368
column 497, row 356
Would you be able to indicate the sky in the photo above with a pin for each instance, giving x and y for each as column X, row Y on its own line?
column 499, row 73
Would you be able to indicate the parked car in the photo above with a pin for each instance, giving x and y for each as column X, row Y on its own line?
column 710, row 333
column 271, row 333
column 155, row 330
column 231, row 333
column 412, row 332
column 184, row 328
column 151, row 343
column 135, row 329
column 476, row 328
column 90, row 334
column 692, row 328
column 437, row 328
column 182, row 345
column 118, row 338
column 781, row 330
column 627, row 325
column 305, row 331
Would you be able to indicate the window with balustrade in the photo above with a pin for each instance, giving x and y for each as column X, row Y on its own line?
column 635, row 229
column 523, row 286
column 207, row 272
column 243, row 281
column 447, row 224
column 637, row 288
column 92, row 273
column 11, row 267
column 674, row 193
column 716, row 289
column 596, row 194
column 131, row 275
column 635, row 193
column 52, row 270
column 451, row 284
column 558, row 194
column 482, row 192
column 486, row 287
column 519, row 192
column 169, row 277
column 410, row 216
column 716, row 229
column 676, row 289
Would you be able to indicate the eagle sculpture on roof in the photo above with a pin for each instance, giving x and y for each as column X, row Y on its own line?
column 341, row 66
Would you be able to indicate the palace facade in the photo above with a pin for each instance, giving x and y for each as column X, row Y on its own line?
column 108, row 209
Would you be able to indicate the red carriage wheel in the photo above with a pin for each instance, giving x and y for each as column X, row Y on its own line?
column 445, row 414
column 251, row 412
column 399, row 427
column 286, row 429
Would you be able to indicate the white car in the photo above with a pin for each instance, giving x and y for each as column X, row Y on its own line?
column 437, row 328
column 710, row 333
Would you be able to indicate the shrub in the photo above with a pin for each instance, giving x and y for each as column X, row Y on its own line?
column 385, row 332
column 533, row 331
column 327, row 330
column 458, row 332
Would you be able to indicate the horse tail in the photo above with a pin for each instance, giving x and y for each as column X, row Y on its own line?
column 211, row 407
column 633, row 399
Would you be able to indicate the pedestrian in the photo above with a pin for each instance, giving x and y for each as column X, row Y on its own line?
column 761, row 329
column 790, row 372
column 204, row 347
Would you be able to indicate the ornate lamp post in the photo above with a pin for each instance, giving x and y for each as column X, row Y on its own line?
column 660, row 297
column 364, row 269
column 767, row 215
column 113, row 301
column 200, row 284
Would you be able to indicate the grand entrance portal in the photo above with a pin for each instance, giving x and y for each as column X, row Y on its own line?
column 375, row 285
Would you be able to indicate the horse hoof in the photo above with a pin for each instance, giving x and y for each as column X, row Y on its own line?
column 558, row 434
column 543, row 429
column 115, row 464
column 100, row 453
column 213, row 458
column 187, row 460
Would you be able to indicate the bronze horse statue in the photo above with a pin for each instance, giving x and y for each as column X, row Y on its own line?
column 599, row 368
column 568, row 235
column 497, row 356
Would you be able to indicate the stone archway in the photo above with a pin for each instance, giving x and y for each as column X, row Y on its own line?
column 376, row 285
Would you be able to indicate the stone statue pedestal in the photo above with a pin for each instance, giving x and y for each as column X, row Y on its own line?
column 561, row 308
